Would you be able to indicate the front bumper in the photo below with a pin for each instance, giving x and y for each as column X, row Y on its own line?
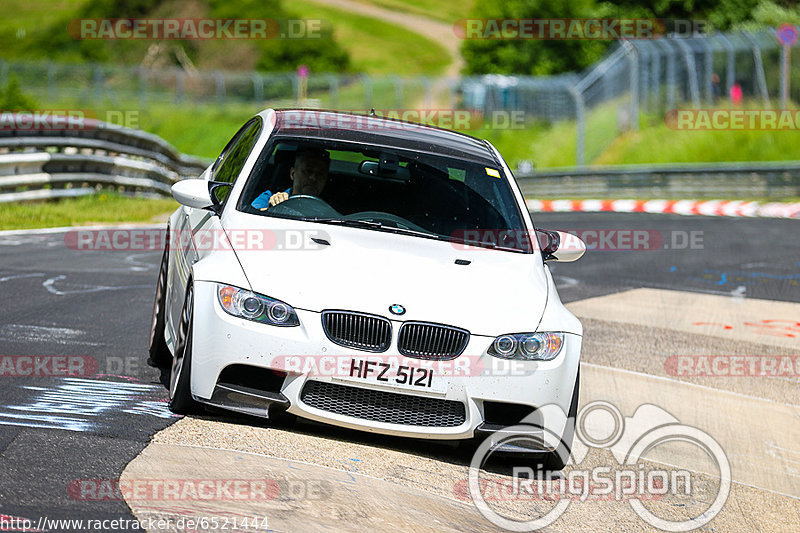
column 473, row 379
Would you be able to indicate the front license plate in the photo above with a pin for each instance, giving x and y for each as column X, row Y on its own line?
column 393, row 374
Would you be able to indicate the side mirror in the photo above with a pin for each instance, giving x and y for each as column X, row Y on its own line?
column 200, row 194
column 560, row 246
column 193, row 192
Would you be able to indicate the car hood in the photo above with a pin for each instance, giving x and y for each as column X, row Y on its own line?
column 369, row 271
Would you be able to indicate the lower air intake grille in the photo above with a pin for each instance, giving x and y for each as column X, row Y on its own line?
column 382, row 406
column 357, row 330
column 431, row 341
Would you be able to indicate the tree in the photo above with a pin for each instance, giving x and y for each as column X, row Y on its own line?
column 13, row 99
column 532, row 56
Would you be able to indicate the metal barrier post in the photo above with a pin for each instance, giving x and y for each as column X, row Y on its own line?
column 367, row 81
column 670, row 57
column 580, row 123
column 633, row 56
column 730, row 73
column 759, row 67
column 398, row 92
column 333, row 90
column 258, row 87
column 691, row 71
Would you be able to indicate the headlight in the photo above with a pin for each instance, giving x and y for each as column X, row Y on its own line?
column 251, row 306
column 528, row 346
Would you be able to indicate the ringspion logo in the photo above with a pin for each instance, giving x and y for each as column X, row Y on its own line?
column 631, row 478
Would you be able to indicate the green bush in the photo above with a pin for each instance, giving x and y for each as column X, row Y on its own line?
column 13, row 99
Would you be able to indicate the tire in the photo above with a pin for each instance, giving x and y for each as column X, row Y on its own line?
column 180, row 392
column 558, row 458
column 159, row 354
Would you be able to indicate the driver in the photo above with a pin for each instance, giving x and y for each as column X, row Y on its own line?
column 309, row 176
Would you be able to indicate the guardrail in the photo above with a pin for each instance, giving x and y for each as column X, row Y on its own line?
column 678, row 181
column 53, row 162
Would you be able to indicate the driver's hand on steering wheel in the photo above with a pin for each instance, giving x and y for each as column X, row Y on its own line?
column 277, row 198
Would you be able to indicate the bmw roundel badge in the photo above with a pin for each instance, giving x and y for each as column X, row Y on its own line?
column 397, row 309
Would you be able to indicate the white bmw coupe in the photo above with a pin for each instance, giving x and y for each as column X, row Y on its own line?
column 371, row 274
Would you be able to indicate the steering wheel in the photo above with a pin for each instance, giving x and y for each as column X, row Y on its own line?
column 305, row 205
column 299, row 196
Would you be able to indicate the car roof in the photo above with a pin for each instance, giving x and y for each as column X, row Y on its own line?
column 381, row 131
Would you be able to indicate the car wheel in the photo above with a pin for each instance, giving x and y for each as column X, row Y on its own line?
column 180, row 393
column 558, row 458
column 160, row 355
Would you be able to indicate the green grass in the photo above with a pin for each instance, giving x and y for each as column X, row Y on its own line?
column 378, row 47
column 26, row 16
column 554, row 145
column 106, row 208
column 201, row 130
column 660, row 144
column 448, row 11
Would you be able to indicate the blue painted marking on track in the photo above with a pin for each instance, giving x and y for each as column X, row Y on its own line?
column 739, row 277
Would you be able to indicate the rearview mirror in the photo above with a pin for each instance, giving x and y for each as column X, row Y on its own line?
column 560, row 246
column 193, row 192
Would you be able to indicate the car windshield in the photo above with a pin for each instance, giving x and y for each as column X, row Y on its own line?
column 386, row 189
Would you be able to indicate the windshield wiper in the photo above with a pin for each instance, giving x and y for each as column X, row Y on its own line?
column 370, row 224
column 490, row 245
column 344, row 222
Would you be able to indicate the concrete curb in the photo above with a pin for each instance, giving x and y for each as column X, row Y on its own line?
column 724, row 208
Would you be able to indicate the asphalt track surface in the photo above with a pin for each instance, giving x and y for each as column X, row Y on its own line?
column 96, row 305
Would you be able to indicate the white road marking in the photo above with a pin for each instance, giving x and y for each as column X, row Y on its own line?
column 562, row 282
column 137, row 265
column 34, row 333
column 21, row 276
column 75, row 404
column 49, row 284
column 64, row 229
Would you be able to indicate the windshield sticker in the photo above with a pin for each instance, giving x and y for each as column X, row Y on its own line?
column 492, row 172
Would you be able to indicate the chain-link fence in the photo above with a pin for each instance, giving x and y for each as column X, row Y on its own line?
column 636, row 77
column 144, row 87
column 649, row 77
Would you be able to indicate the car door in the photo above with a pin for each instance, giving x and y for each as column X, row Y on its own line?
column 200, row 229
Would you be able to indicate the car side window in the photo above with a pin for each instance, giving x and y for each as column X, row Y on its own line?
column 232, row 160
